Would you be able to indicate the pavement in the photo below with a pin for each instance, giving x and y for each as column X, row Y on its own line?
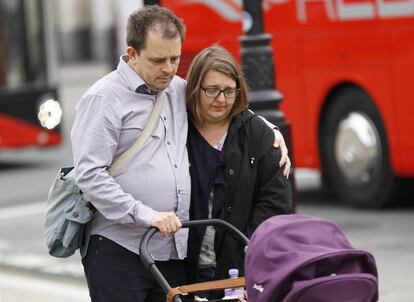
column 27, row 271
column 25, row 288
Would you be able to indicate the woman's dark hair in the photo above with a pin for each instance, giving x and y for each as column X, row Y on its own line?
column 219, row 59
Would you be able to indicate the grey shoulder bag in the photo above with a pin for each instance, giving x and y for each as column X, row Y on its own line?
column 68, row 211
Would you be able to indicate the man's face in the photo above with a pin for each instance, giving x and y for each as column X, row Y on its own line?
column 158, row 62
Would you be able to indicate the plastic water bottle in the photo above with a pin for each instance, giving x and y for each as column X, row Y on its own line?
column 233, row 293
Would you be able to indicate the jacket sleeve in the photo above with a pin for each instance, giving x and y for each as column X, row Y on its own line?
column 273, row 191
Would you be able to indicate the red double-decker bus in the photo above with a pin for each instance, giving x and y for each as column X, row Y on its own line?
column 345, row 68
column 30, row 114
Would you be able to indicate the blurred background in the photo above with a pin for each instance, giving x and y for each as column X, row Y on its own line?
column 343, row 77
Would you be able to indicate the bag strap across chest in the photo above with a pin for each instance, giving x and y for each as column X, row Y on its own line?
column 141, row 139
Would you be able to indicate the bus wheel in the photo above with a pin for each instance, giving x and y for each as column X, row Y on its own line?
column 354, row 151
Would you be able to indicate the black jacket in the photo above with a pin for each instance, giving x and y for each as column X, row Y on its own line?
column 255, row 188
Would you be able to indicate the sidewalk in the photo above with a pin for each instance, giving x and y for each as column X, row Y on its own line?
column 23, row 252
column 23, row 248
column 22, row 288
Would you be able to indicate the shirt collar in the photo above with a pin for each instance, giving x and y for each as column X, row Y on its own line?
column 144, row 89
column 133, row 80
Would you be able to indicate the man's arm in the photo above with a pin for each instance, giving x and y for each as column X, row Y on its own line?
column 284, row 160
column 279, row 143
column 95, row 136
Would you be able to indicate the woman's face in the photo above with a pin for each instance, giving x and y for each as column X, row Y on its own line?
column 216, row 108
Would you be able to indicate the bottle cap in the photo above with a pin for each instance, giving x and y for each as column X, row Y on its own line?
column 233, row 272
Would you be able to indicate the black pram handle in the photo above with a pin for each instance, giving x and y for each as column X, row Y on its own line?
column 149, row 262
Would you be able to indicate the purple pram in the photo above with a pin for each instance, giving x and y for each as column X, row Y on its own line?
column 299, row 258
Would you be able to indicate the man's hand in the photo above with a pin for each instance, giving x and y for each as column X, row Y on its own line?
column 166, row 222
column 284, row 161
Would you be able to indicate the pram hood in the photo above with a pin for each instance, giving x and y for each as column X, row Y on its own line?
column 286, row 250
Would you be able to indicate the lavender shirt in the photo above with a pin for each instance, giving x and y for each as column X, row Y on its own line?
column 108, row 119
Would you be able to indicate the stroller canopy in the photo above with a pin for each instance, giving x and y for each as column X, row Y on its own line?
column 302, row 258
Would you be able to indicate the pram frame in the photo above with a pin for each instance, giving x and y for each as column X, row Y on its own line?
column 172, row 293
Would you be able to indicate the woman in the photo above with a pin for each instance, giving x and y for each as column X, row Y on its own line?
column 234, row 175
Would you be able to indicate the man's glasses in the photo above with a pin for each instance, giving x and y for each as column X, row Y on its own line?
column 213, row 92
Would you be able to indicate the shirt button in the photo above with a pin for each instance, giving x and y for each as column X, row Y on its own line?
column 165, row 118
column 168, row 143
column 231, row 172
column 175, row 166
column 229, row 208
column 75, row 215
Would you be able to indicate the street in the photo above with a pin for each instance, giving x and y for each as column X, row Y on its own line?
column 17, row 287
column 28, row 273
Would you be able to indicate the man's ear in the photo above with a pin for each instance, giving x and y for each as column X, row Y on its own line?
column 132, row 54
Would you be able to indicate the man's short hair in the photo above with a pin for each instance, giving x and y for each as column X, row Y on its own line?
column 147, row 18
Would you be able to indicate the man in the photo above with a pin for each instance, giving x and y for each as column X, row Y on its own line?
column 153, row 189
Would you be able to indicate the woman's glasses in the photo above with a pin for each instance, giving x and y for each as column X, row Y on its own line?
column 213, row 92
